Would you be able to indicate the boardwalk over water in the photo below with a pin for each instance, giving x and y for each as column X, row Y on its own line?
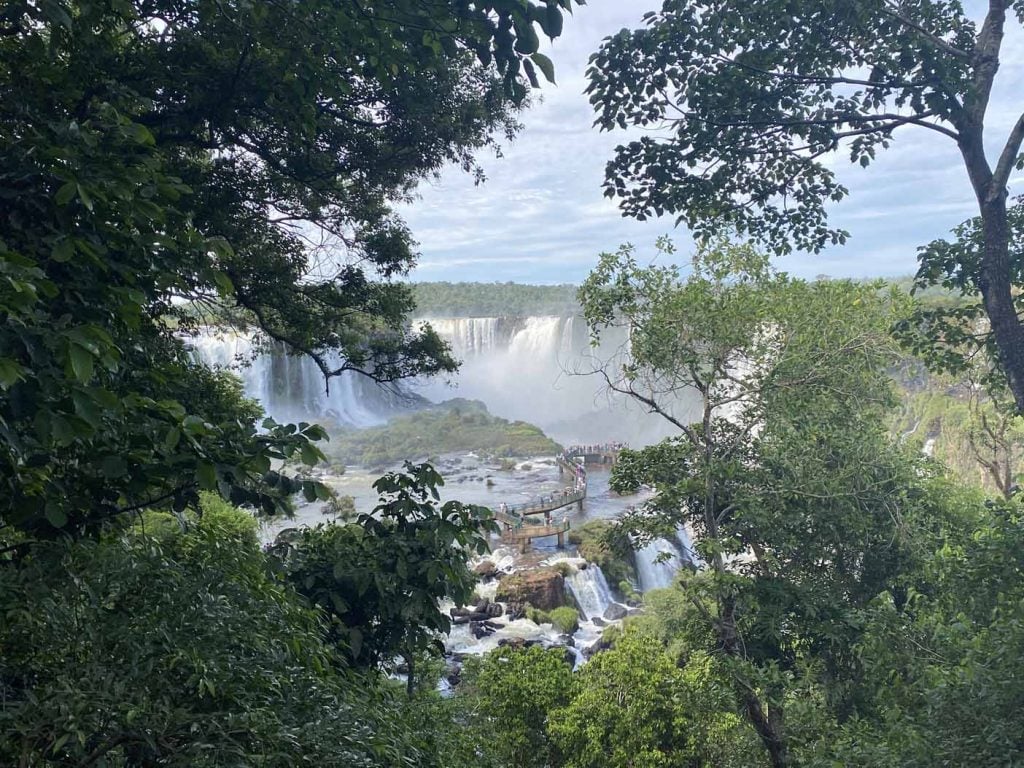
column 520, row 530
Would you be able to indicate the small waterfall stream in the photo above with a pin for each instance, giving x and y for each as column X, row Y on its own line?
column 590, row 590
column 653, row 574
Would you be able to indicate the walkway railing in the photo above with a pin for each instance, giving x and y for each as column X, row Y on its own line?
column 514, row 517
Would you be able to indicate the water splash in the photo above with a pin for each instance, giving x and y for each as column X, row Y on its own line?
column 590, row 590
column 290, row 387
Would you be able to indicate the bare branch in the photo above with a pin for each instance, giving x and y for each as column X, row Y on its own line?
column 1009, row 156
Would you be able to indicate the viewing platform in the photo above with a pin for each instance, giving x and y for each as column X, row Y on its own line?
column 523, row 534
column 519, row 530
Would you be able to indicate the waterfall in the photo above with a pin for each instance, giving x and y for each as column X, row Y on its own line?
column 520, row 367
column 589, row 589
column 290, row 387
column 652, row 574
column 685, row 541
column 470, row 337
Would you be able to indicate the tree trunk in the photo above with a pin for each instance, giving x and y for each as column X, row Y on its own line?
column 768, row 724
column 995, row 284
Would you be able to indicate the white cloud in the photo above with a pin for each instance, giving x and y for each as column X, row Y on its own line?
column 541, row 215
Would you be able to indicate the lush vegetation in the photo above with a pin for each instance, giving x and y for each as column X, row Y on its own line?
column 457, row 425
column 180, row 642
column 600, row 542
column 493, row 299
column 166, row 164
column 157, row 155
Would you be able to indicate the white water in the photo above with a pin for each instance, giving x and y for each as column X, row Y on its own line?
column 291, row 388
column 533, row 369
column 521, row 368
column 653, row 574
column 590, row 590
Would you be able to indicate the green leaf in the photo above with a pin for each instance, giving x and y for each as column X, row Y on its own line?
column 552, row 22
column 11, row 372
column 86, row 407
column 206, row 476
column 84, row 196
column 531, row 73
column 63, row 250
column 310, row 454
column 308, row 491
column 545, row 65
column 171, row 439
column 81, row 362
column 66, row 193
column 56, row 516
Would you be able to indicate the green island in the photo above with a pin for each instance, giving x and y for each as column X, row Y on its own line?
column 454, row 426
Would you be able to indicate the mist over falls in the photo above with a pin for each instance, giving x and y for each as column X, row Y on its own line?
column 542, row 369
column 537, row 369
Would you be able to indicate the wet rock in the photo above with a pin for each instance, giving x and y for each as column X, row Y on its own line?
column 592, row 650
column 454, row 675
column 481, row 629
column 543, row 588
column 616, row 611
column 486, row 570
column 599, row 622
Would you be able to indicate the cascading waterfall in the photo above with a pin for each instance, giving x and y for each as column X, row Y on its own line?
column 524, row 368
column 685, row 541
column 290, row 387
column 589, row 589
column 653, row 574
column 521, row 368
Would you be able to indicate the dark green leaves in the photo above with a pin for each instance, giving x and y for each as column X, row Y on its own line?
column 382, row 577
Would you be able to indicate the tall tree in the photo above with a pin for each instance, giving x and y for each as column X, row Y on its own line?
column 239, row 159
column 756, row 94
column 786, row 475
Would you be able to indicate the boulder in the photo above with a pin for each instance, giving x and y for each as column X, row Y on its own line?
column 481, row 629
column 615, row 611
column 543, row 588
column 599, row 622
column 486, row 570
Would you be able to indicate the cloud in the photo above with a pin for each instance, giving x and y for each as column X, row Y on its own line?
column 541, row 215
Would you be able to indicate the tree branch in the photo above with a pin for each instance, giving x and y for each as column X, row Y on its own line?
column 1008, row 158
column 931, row 37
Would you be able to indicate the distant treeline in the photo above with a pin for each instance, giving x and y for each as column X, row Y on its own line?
column 444, row 299
column 494, row 299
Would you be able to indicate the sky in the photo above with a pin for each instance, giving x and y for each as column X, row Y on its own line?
column 540, row 217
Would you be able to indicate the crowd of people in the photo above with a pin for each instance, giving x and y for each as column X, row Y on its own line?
column 592, row 449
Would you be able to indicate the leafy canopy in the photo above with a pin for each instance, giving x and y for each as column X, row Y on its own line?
column 165, row 164
column 380, row 579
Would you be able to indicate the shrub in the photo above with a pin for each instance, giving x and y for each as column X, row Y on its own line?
column 565, row 619
column 564, row 568
column 537, row 616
